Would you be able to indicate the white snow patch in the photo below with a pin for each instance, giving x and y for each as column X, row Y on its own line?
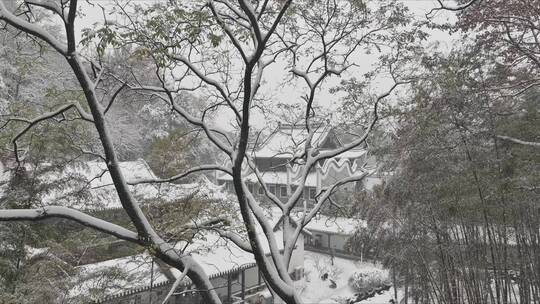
column 335, row 225
column 103, row 194
column 315, row 290
column 117, row 275
column 216, row 254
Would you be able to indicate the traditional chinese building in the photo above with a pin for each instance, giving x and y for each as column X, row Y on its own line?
column 277, row 160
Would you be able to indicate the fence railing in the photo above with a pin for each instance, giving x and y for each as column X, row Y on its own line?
column 148, row 288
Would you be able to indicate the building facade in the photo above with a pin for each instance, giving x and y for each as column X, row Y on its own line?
column 331, row 234
column 281, row 173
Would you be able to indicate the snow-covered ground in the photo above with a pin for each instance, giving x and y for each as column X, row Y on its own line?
column 315, row 290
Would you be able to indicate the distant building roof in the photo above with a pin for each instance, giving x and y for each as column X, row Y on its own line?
column 335, row 225
column 130, row 272
column 213, row 253
column 287, row 140
column 323, row 223
column 99, row 193
column 216, row 254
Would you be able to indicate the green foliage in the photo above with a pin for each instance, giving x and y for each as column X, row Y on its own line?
column 155, row 28
column 460, row 196
column 173, row 154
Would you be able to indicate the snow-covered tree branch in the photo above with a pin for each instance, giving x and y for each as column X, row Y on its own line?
column 224, row 52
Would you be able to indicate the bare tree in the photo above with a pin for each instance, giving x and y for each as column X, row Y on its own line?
column 222, row 50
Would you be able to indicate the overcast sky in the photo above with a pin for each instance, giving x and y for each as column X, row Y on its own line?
column 276, row 74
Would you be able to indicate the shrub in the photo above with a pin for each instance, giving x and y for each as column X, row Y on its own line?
column 363, row 281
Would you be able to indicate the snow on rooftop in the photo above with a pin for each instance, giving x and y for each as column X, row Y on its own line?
column 288, row 140
column 336, row 225
column 215, row 254
column 96, row 190
column 117, row 275
column 132, row 170
column 323, row 223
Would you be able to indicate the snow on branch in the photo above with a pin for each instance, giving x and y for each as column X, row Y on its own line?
column 519, row 141
column 278, row 274
column 48, row 5
column 180, row 176
column 230, row 33
column 210, row 82
column 456, row 8
column 120, row 232
column 263, row 185
column 235, row 238
column 49, row 115
column 307, row 217
column 329, row 191
column 359, row 141
column 31, row 29
column 250, row 13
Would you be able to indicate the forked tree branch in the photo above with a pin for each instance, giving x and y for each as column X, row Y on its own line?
column 46, row 116
column 227, row 31
column 209, row 81
column 362, row 139
column 289, row 245
column 262, row 184
column 181, row 175
column 283, row 280
column 455, row 8
column 48, row 5
column 233, row 237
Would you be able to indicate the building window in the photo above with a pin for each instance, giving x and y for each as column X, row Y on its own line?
column 283, row 191
column 294, row 187
column 272, row 189
column 250, row 187
column 312, row 193
column 261, row 190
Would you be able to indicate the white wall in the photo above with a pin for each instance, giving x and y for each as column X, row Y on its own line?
column 338, row 241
